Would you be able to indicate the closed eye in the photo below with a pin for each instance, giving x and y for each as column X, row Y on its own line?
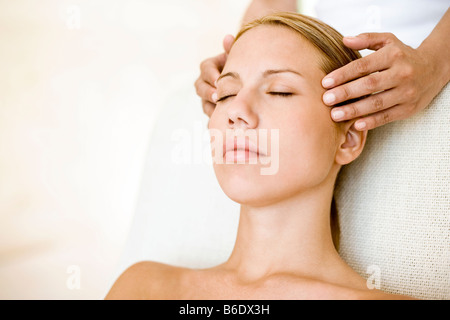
column 282, row 94
column 225, row 97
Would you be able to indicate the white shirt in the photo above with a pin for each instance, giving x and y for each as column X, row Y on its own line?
column 409, row 20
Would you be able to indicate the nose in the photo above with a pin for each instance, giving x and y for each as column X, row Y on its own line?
column 242, row 112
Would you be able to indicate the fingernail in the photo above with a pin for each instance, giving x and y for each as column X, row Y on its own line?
column 337, row 114
column 329, row 98
column 350, row 38
column 360, row 125
column 214, row 97
column 327, row 82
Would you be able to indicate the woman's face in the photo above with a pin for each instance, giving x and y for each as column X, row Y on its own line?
column 270, row 90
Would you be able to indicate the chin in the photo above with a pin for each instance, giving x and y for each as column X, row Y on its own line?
column 250, row 198
column 244, row 186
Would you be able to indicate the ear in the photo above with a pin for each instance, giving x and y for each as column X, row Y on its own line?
column 351, row 143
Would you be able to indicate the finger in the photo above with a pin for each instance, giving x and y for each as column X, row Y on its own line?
column 372, row 104
column 206, row 91
column 372, row 41
column 220, row 60
column 228, row 41
column 210, row 69
column 381, row 118
column 208, row 108
column 372, row 83
column 376, row 61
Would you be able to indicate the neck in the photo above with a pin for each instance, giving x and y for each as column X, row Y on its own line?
column 292, row 236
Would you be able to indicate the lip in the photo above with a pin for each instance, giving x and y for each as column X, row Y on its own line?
column 243, row 144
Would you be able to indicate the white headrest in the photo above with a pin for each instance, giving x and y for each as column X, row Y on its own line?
column 394, row 204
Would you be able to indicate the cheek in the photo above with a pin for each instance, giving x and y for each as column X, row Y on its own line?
column 307, row 147
column 214, row 119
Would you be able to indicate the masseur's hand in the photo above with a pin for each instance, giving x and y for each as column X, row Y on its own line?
column 404, row 81
column 210, row 70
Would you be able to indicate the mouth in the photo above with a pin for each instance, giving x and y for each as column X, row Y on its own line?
column 241, row 149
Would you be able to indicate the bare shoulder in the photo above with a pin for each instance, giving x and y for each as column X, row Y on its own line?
column 339, row 292
column 366, row 294
column 146, row 280
column 304, row 288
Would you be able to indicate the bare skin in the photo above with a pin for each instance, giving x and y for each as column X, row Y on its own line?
column 155, row 281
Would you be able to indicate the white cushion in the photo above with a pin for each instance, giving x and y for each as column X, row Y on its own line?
column 394, row 204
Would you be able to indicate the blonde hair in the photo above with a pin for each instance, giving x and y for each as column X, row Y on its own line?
column 333, row 55
column 323, row 37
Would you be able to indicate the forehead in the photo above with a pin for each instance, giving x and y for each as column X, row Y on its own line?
column 273, row 46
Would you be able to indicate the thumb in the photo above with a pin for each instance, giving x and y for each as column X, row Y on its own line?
column 228, row 42
column 372, row 41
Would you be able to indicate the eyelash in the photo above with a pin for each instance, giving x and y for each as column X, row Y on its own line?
column 281, row 94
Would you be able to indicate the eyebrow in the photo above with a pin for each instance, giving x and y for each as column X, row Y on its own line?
column 265, row 73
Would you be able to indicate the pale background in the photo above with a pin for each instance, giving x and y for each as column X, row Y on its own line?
column 81, row 85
